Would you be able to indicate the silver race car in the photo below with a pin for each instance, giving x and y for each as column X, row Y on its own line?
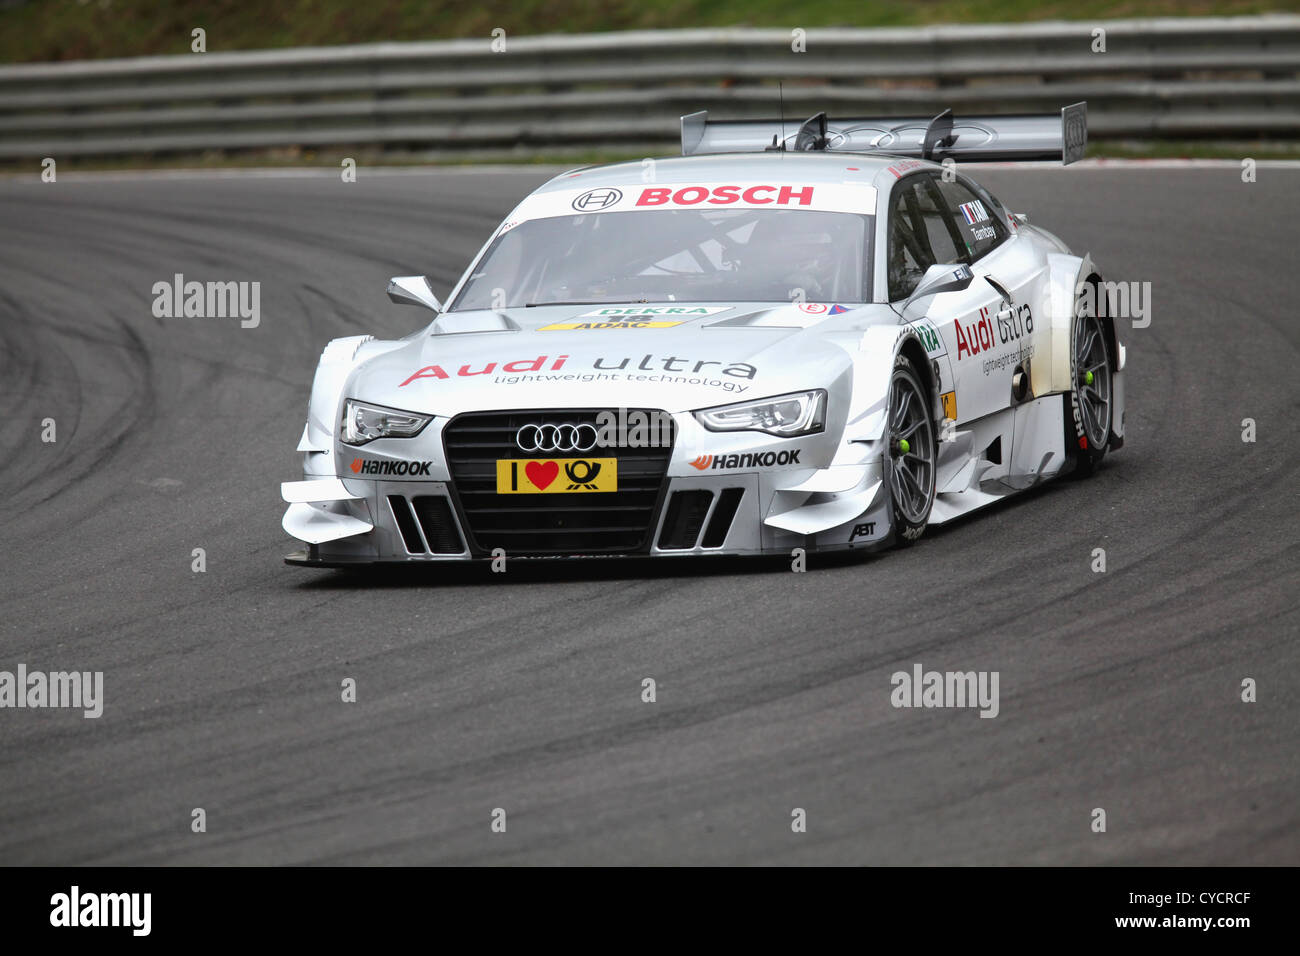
column 827, row 340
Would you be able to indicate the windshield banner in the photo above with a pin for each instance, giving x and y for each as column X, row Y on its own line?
column 826, row 197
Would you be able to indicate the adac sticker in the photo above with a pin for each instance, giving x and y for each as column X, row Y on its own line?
column 613, row 322
column 636, row 317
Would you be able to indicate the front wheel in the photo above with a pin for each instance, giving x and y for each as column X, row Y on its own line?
column 912, row 453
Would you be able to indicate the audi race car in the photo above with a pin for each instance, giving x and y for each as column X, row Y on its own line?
column 827, row 340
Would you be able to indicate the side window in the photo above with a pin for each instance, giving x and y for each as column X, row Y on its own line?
column 919, row 235
column 980, row 228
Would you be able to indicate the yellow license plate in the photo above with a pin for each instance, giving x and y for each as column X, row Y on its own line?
column 550, row 476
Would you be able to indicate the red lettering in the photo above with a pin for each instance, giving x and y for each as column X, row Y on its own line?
column 533, row 365
column 751, row 195
column 654, row 197
column 725, row 194
column 962, row 344
column 787, row 193
column 429, row 371
column 487, row 369
column 691, row 195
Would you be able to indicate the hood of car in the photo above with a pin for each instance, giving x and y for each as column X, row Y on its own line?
column 675, row 357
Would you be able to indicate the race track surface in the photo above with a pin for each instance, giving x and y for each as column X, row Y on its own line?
column 1119, row 690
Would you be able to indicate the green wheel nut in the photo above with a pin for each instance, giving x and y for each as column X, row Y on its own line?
column 1087, row 378
column 903, row 446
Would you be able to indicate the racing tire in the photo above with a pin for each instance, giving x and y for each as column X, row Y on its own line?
column 912, row 453
column 1090, row 401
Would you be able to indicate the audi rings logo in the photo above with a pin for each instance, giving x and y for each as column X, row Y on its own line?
column 556, row 438
column 594, row 199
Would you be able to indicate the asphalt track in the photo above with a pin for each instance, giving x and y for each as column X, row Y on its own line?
column 1119, row 690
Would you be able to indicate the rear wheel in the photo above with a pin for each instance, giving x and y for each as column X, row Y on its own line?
column 1091, row 391
column 912, row 453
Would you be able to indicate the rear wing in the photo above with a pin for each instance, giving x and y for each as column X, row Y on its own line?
column 970, row 139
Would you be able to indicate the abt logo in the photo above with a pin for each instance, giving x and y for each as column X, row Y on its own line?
column 864, row 530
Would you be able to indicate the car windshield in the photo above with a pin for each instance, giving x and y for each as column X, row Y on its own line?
column 675, row 255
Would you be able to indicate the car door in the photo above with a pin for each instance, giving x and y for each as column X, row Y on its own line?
column 1014, row 266
column 922, row 232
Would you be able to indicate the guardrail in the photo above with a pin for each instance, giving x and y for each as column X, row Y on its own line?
column 1184, row 78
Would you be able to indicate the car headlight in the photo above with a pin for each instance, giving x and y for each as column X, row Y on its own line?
column 799, row 413
column 363, row 423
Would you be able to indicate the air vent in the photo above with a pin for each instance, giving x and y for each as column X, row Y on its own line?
column 438, row 524
column 686, row 511
column 406, row 524
column 723, row 515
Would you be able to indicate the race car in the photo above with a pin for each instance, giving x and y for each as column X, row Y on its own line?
column 825, row 340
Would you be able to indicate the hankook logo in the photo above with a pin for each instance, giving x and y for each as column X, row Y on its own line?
column 364, row 466
column 759, row 459
column 594, row 199
column 556, row 438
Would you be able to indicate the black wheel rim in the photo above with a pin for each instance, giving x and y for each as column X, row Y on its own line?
column 911, row 449
column 1092, row 379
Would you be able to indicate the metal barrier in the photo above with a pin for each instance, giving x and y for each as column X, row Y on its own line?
column 1233, row 77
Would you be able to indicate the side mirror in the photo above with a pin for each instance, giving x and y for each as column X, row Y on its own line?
column 413, row 290
column 953, row 277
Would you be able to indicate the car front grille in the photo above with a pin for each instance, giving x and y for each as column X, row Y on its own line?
column 619, row 522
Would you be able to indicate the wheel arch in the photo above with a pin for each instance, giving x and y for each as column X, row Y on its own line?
column 336, row 361
column 873, row 365
column 1067, row 277
column 914, row 352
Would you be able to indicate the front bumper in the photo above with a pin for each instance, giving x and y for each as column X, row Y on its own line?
column 433, row 498
column 348, row 522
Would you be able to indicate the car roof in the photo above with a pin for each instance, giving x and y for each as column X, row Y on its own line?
column 776, row 166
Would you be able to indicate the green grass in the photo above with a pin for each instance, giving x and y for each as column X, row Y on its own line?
column 40, row 30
